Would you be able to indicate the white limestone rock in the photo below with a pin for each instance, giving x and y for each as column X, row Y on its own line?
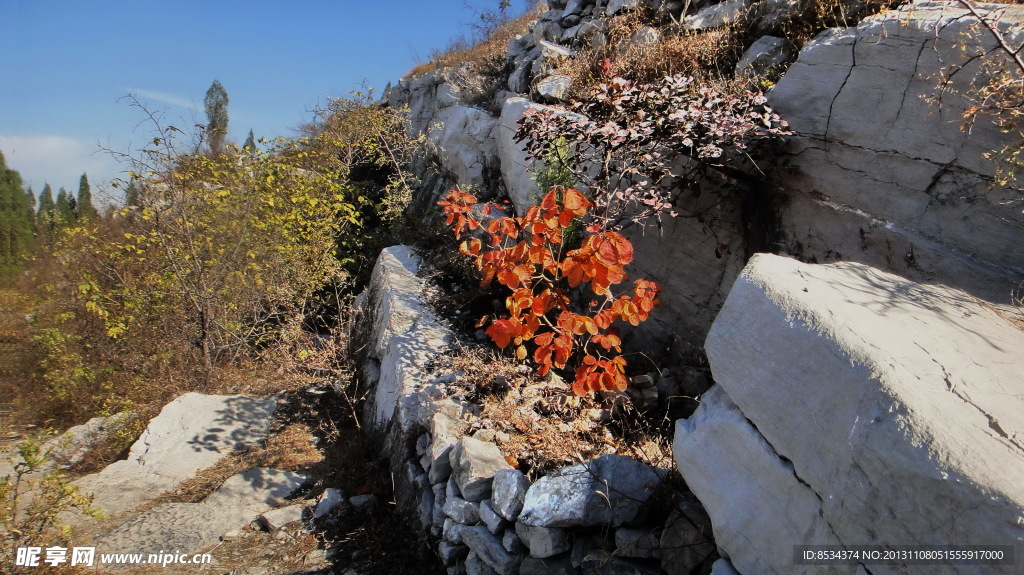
column 445, row 432
column 610, row 490
column 517, row 168
column 237, row 502
column 717, row 15
column 192, row 432
column 404, row 337
column 465, row 143
column 882, row 408
column 880, row 175
column 554, row 88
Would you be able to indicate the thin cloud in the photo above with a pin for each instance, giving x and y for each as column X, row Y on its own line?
column 164, row 98
column 57, row 160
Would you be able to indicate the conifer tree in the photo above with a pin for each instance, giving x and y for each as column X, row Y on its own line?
column 249, row 146
column 31, row 212
column 46, row 214
column 216, row 104
column 15, row 220
column 64, row 211
column 131, row 195
column 84, row 209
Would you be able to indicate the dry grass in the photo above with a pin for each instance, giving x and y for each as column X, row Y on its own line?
column 708, row 55
column 485, row 54
column 541, row 426
column 821, row 14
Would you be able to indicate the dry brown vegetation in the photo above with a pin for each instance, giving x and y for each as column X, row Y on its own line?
column 485, row 54
column 541, row 426
column 708, row 55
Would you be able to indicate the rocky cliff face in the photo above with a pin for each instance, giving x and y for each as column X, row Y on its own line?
column 878, row 174
column 854, row 406
column 875, row 173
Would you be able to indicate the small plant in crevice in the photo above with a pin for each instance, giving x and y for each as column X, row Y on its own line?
column 548, row 282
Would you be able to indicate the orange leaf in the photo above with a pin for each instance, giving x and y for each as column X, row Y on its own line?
column 575, row 202
column 548, row 202
column 613, row 248
column 503, row 331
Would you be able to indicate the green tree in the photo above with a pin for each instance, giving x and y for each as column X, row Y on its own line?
column 216, row 104
column 31, row 212
column 15, row 220
column 131, row 194
column 46, row 215
column 64, row 210
column 84, row 208
column 249, row 146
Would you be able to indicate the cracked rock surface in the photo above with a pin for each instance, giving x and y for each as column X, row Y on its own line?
column 881, row 175
column 859, row 407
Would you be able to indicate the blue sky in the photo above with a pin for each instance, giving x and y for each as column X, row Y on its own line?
column 64, row 64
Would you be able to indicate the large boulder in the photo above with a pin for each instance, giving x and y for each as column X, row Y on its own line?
column 192, row 432
column 856, row 407
column 880, row 174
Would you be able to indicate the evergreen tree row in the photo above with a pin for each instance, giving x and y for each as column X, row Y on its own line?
column 22, row 221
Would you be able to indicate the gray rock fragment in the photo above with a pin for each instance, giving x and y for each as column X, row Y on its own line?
column 554, row 88
column 610, row 490
column 615, row 6
column 363, row 503
column 686, row 539
column 717, row 15
column 451, row 552
column 543, row 542
column 767, row 53
column 462, row 511
column 492, row 520
column 474, row 463
column 475, row 565
column 550, row 566
column 489, row 548
column 277, row 518
column 512, row 543
column 329, row 501
column 508, row 492
column 638, row 543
